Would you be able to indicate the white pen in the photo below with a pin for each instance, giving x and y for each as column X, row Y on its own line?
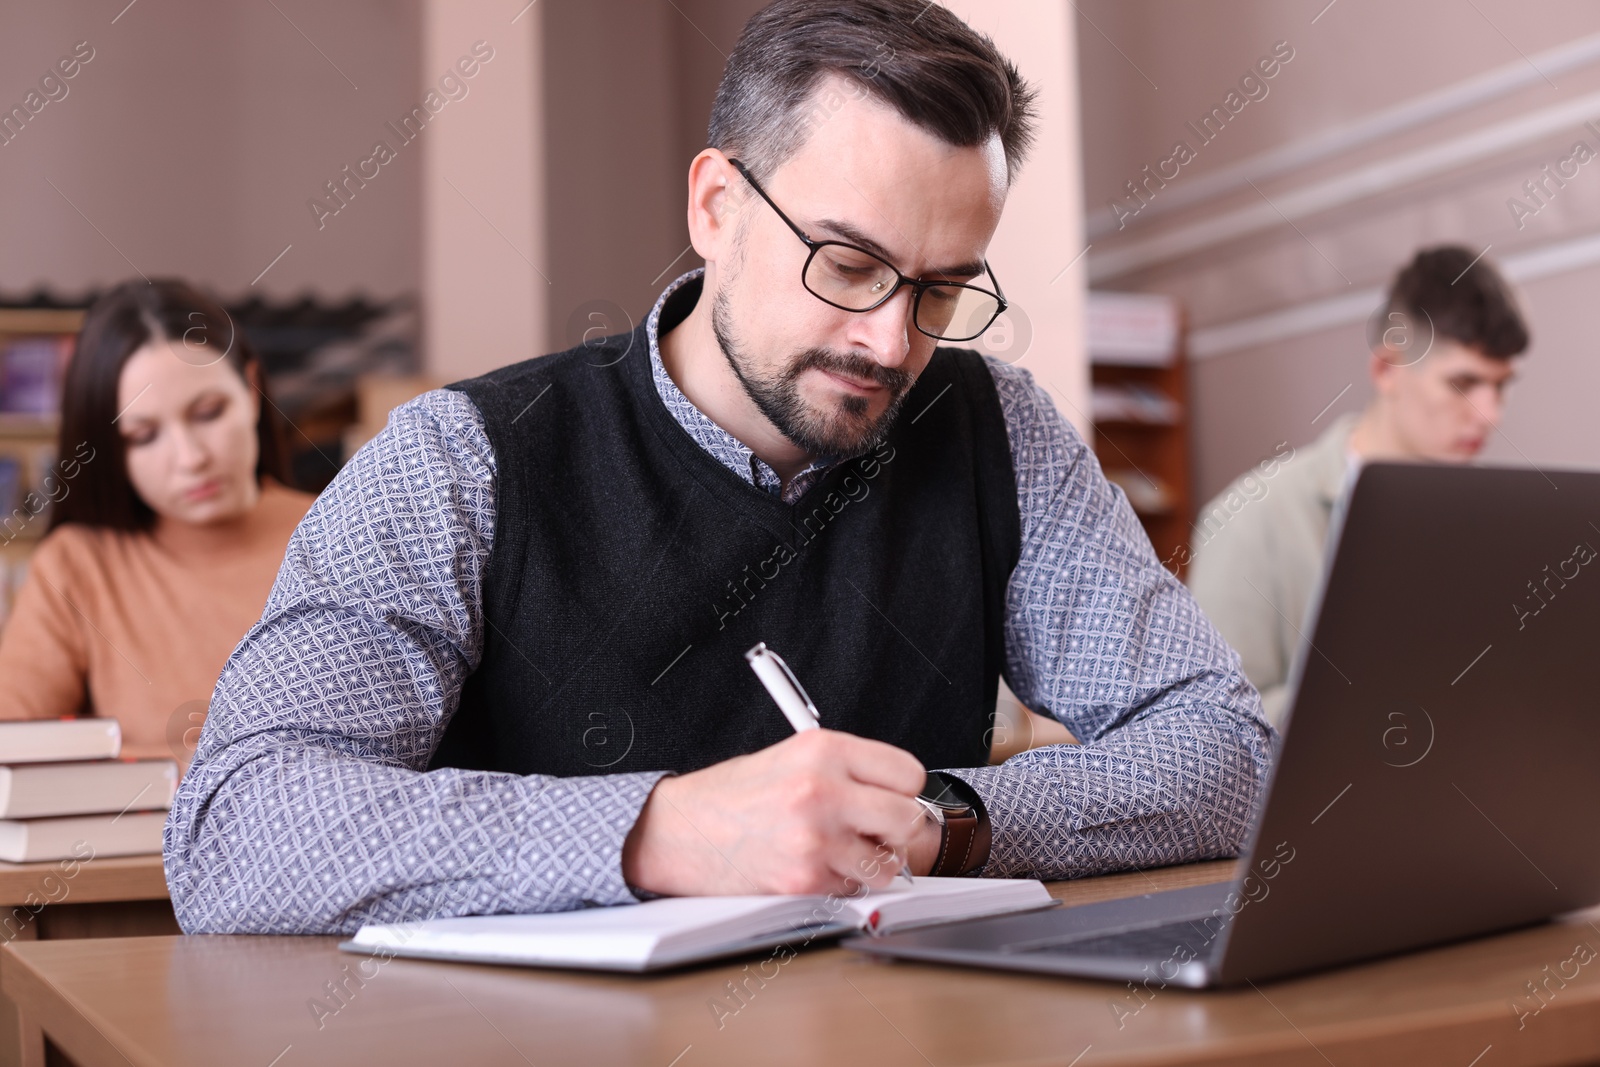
column 791, row 698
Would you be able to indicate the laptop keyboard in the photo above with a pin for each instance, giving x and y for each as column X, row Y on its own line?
column 1147, row 942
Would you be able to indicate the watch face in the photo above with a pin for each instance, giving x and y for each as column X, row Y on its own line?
column 937, row 791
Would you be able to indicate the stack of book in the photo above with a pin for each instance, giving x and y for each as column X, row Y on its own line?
column 65, row 794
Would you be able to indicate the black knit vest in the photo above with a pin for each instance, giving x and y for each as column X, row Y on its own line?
column 630, row 570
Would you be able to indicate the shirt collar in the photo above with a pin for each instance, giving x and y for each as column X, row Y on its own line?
column 713, row 439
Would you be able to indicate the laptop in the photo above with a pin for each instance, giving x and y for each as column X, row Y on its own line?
column 1438, row 774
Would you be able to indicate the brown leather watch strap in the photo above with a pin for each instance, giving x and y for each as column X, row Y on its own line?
column 965, row 838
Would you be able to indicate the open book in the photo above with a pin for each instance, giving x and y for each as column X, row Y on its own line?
column 677, row 930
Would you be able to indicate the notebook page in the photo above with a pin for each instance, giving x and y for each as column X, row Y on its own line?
column 628, row 934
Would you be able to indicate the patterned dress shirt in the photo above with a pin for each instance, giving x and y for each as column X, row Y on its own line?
column 307, row 808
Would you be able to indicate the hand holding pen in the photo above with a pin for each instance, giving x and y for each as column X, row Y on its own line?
column 809, row 815
column 792, row 700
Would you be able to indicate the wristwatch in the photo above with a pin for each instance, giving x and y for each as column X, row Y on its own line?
column 964, row 834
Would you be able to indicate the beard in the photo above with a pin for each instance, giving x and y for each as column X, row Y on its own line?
column 849, row 428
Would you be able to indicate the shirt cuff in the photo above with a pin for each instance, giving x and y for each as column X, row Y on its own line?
column 573, row 851
column 1020, row 826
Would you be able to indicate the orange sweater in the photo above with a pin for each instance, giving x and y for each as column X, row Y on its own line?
column 138, row 626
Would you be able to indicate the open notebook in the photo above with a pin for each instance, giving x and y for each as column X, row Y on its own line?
column 678, row 930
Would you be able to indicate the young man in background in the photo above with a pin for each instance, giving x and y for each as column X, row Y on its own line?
column 1443, row 353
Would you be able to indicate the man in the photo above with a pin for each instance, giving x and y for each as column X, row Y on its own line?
column 502, row 669
column 1443, row 353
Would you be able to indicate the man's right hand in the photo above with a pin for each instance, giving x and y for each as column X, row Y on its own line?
column 819, row 812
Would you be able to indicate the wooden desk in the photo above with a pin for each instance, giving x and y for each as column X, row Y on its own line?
column 95, row 881
column 118, row 896
column 175, row 1001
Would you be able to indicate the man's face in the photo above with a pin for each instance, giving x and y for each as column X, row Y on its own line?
column 1445, row 405
column 832, row 380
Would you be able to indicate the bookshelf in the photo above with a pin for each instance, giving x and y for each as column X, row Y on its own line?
column 35, row 344
column 1140, row 411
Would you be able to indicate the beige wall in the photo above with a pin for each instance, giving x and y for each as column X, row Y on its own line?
column 1360, row 56
column 486, row 269
column 1041, row 233
column 555, row 188
column 193, row 139
column 629, row 85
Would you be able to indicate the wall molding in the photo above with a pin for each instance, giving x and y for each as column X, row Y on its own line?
column 1314, row 316
column 1363, row 183
column 1419, row 110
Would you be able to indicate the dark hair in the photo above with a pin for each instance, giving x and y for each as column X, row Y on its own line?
column 117, row 325
column 916, row 56
column 1465, row 299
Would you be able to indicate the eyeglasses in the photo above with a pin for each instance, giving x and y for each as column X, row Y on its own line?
column 853, row 279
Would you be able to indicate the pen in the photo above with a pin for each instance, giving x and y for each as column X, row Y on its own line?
column 791, row 698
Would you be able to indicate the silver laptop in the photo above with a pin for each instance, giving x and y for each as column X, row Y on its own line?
column 1438, row 775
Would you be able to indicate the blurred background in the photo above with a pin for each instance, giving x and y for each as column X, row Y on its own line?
column 1189, row 325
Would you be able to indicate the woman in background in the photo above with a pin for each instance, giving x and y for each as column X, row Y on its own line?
column 171, row 518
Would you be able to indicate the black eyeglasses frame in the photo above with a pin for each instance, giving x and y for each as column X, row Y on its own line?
column 902, row 280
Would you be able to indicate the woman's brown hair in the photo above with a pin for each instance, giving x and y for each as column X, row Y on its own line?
column 117, row 325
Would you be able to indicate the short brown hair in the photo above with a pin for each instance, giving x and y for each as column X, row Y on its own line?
column 117, row 325
column 914, row 55
column 1465, row 299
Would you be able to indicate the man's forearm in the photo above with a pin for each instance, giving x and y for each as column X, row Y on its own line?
column 281, row 833
column 1174, row 787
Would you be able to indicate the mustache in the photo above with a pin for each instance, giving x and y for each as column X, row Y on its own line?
column 892, row 378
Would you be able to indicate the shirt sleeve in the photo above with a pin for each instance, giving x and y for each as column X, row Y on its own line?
column 44, row 658
column 307, row 808
column 1106, row 640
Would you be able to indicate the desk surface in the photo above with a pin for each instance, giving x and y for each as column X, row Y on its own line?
column 83, row 881
column 269, row 1002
